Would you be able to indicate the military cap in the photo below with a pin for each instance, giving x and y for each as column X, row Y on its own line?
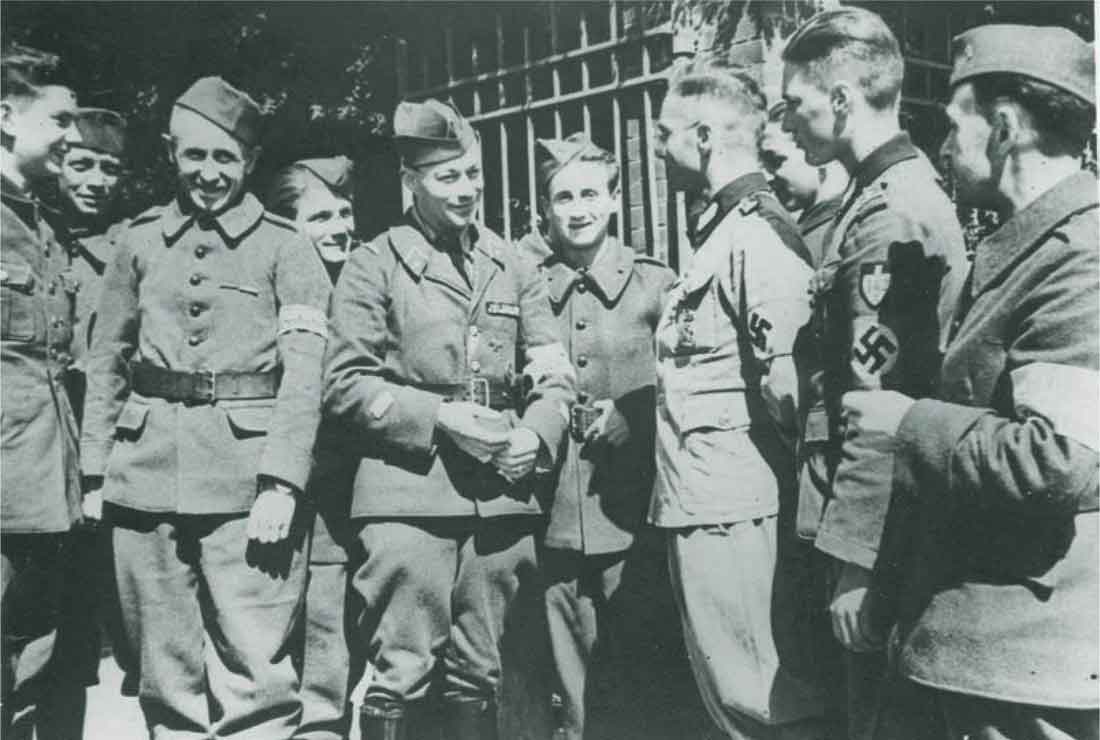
column 225, row 106
column 563, row 151
column 102, row 130
column 332, row 171
column 1049, row 54
column 431, row 132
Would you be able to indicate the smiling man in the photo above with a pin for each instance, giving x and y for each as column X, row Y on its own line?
column 433, row 322
column 40, row 472
column 202, row 407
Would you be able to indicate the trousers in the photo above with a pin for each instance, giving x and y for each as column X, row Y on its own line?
column 440, row 588
column 210, row 616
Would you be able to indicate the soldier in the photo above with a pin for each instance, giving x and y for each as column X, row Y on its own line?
column 316, row 195
column 89, row 184
column 203, row 403
column 603, row 572
column 726, row 414
column 41, row 477
column 426, row 322
column 995, row 514
column 891, row 272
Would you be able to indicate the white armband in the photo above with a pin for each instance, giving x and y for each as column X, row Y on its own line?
column 1066, row 396
column 300, row 317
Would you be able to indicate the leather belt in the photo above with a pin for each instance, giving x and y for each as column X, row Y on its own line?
column 205, row 386
column 496, row 395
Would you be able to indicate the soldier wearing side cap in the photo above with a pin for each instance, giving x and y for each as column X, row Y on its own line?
column 317, row 195
column 606, row 592
column 890, row 274
column 432, row 323
column 202, row 406
column 993, row 535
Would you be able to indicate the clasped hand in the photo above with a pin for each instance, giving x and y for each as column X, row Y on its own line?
column 484, row 434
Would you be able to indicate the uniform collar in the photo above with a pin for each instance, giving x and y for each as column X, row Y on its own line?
column 723, row 201
column 609, row 272
column 25, row 204
column 897, row 149
column 467, row 238
column 233, row 223
column 1002, row 249
column 819, row 214
column 413, row 247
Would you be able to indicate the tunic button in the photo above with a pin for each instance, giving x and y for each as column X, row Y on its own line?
column 582, row 361
column 52, row 289
column 582, row 288
column 475, row 366
column 194, row 340
column 195, row 309
column 474, row 331
column 582, row 325
column 195, row 279
column 200, row 251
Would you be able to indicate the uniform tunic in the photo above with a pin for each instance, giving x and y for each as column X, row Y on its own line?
column 883, row 298
column 997, row 522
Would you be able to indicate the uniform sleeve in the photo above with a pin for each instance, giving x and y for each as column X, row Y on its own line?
column 358, row 390
column 1042, row 454
column 114, row 342
column 549, row 375
column 894, row 301
column 776, row 303
column 301, row 292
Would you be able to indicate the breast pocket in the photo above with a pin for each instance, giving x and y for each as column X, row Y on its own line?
column 19, row 306
column 697, row 318
column 131, row 422
column 248, row 421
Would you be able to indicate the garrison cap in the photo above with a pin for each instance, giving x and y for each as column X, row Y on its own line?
column 563, row 151
column 332, row 171
column 431, row 132
column 1050, row 54
column 102, row 130
column 225, row 106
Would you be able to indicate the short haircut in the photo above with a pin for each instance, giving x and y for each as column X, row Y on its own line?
column 1063, row 121
column 592, row 153
column 24, row 71
column 288, row 185
column 851, row 41
column 731, row 88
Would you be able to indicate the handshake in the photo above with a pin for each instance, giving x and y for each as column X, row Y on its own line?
column 485, row 435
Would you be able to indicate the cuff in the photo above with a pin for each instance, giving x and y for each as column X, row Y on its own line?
column 848, row 552
column 928, row 436
column 415, row 413
column 286, row 462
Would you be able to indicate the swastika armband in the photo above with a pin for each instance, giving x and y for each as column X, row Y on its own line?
column 1064, row 395
column 548, row 359
column 300, row 317
column 875, row 349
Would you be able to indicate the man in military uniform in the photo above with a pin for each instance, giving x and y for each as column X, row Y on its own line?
column 40, row 471
column 88, row 185
column 203, row 402
column 426, row 322
column 726, row 415
column 995, row 515
column 604, row 573
column 890, row 274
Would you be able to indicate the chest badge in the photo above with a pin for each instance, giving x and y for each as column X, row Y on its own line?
column 874, row 282
column 500, row 308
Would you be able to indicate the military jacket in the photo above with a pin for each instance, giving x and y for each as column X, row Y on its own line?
column 404, row 321
column 814, row 226
column 40, row 471
column 995, row 522
column 240, row 292
column 884, row 294
column 607, row 316
column 89, row 252
column 736, row 307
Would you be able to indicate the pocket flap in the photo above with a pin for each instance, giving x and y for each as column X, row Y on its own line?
column 251, row 419
column 715, row 411
column 18, row 275
column 696, row 280
column 133, row 416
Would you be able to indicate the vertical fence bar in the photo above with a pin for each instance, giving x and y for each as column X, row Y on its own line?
column 506, row 187
column 529, row 143
column 649, row 189
column 555, row 72
column 617, row 115
column 586, row 109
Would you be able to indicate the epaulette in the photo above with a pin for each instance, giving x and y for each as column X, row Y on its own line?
column 278, row 220
column 748, row 205
column 147, row 216
column 645, row 259
column 369, row 245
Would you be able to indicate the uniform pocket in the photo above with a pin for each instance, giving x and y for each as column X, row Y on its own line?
column 17, row 302
column 248, row 421
column 131, row 422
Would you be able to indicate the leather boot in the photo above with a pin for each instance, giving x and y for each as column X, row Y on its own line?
column 470, row 720
column 382, row 723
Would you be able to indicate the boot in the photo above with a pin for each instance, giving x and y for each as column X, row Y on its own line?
column 470, row 720
column 382, row 723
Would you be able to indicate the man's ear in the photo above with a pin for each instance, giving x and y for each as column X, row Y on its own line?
column 1009, row 129
column 841, row 97
column 7, row 115
column 544, row 206
column 252, row 156
column 705, row 138
column 409, row 178
column 169, row 147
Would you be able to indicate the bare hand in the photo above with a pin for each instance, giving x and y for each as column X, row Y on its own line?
column 478, row 431
column 610, row 426
column 850, row 610
column 875, row 411
column 272, row 512
column 518, row 460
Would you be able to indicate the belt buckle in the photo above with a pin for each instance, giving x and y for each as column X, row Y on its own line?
column 478, row 391
column 206, row 385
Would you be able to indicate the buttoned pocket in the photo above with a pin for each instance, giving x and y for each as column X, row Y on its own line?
column 249, row 421
column 17, row 302
column 131, row 422
column 697, row 317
